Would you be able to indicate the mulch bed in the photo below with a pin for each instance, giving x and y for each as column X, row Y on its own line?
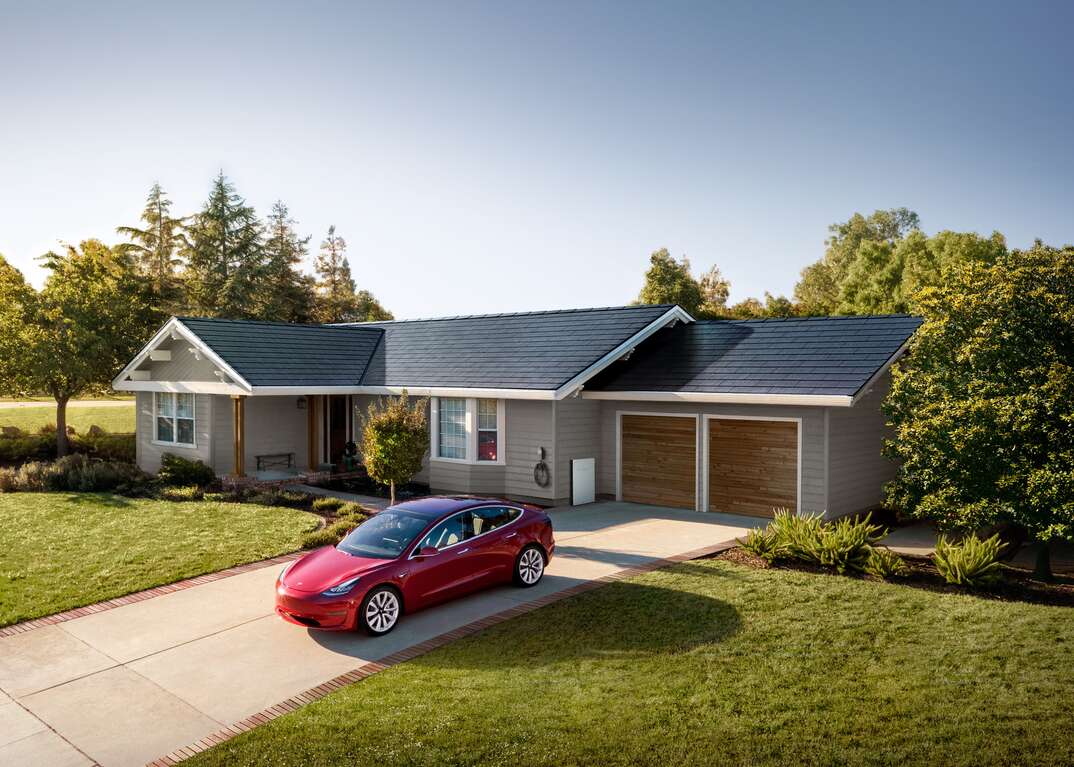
column 1017, row 585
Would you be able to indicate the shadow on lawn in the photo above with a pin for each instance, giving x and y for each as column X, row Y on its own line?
column 98, row 500
column 621, row 621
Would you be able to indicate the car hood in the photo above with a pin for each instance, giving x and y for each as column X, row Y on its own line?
column 324, row 568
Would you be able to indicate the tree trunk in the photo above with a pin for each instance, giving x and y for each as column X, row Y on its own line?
column 1043, row 569
column 61, row 427
column 392, row 486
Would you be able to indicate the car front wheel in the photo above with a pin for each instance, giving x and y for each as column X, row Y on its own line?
column 529, row 567
column 380, row 611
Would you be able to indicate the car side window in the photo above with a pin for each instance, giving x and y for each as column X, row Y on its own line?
column 454, row 529
column 490, row 518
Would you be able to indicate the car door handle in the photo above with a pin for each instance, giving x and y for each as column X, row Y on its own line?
column 509, row 536
column 463, row 551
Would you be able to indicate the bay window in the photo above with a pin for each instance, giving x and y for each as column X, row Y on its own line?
column 174, row 418
column 467, row 430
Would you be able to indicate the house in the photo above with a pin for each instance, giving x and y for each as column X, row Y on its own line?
column 638, row 403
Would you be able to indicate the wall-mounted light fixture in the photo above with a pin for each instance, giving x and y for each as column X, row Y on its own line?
column 301, row 403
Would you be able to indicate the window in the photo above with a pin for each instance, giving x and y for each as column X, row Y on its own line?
column 452, row 530
column 452, row 429
column 487, row 431
column 174, row 418
column 486, row 520
column 468, row 430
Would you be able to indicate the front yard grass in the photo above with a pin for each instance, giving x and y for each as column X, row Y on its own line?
column 712, row 663
column 114, row 419
column 65, row 550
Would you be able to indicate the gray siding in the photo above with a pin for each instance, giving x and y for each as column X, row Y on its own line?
column 857, row 469
column 814, row 476
column 148, row 452
column 183, row 365
column 578, row 435
column 530, row 425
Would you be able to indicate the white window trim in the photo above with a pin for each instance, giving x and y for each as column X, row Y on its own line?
column 471, row 433
column 175, row 426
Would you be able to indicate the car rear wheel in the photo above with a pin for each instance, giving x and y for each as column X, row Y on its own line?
column 529, row 567
column 380, row 611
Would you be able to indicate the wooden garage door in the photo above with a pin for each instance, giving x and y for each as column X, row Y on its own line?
column 753, row 466
column 659, row 464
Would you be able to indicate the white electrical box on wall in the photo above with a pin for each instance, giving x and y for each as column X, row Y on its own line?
column 583, row 480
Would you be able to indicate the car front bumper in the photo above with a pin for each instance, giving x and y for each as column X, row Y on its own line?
column 315, row 611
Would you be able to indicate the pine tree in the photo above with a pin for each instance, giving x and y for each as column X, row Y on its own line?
column 225, row 257
column 336, row 299
column 287, row 293
column 155, row 249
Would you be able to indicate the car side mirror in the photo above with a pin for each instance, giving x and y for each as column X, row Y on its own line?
column 428, row 551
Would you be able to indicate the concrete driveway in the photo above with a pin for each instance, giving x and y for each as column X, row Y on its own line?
column 131, row 684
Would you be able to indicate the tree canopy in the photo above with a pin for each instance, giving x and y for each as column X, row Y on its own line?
column 156, row 248
column 395, row 438
column 983, row 406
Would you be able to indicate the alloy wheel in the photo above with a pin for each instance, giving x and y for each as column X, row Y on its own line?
column 382, row 611
column 530, row 566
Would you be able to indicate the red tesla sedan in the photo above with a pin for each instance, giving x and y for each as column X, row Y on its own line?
column 413, row 555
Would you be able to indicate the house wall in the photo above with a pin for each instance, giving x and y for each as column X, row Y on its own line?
column 148, row 453
column 857, row 470
column 273, row 425
column 814, row 469
column 183, row 366
column 578, row 435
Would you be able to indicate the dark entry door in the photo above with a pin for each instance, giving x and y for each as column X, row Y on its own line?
column 337, row 427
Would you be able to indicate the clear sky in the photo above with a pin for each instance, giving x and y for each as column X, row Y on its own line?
column 503, row 156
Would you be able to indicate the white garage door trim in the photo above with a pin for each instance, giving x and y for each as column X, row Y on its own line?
column 698, row 471
column 704, row 463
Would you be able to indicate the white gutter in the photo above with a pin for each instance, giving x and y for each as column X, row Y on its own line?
column 813, row 400
column 182, row 387
column 417, row 391
column 675, row 313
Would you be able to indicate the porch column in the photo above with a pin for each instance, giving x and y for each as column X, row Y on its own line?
column 311, row 431
column 238, row 422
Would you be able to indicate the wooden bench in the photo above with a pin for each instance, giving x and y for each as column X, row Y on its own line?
column 275, row 461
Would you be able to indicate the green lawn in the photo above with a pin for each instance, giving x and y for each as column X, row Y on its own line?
column 712, row 663
column 119, row 420
column 64, row 550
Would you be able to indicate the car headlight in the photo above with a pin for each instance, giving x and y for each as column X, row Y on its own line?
column 342, row 588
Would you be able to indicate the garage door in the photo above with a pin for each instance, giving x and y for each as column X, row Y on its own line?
column 753, row 466
column 658, row 460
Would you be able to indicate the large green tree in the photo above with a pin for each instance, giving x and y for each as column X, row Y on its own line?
column 286, row 294
column 983, row 406
column 669, row 281
column 225, row 257
column 337, row 298
column 155, row 248
column 91, row 316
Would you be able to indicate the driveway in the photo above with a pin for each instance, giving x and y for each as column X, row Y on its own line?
column 131, row 684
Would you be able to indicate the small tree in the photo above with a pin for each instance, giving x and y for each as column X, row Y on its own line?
column 983, row 407
column 395, row 436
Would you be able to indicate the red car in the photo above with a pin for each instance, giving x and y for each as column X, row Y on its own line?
column 413, row 555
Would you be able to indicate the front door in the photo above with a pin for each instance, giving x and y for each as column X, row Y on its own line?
column 448, row 573
column 337, row 428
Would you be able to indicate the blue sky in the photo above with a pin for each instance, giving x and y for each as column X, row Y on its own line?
column 483, row 157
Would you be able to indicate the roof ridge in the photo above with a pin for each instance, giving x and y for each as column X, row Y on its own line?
column 507, row 314
column 813, row 318
column 323, row 325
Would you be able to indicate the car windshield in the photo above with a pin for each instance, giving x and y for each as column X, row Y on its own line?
column 383, row 536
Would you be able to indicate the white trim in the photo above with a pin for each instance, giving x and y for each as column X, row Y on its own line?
column 864, row 390
column 723, row 417
column 828, row 400
column 675, row 313
column 415, row 391
column 471, row 432
column 175, row 421
column 172, row 327
column 619, row 449
column 181, row 387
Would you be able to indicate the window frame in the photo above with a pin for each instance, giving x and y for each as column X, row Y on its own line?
column 174, row 418
column 471, row 422
column 416, row 551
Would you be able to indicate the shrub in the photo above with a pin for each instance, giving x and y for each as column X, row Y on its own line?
column 7, row 480
column 79, row 473
column 884, row 563
column 108, row 447
column 843, row 545
column 328, row 505
column 763, row 544
column 277, row 497
column 331, row 535
column 27, row 447
column 175, row 470
column 180, row 494
column 798, row 537
column 30, row 477
column 973, row 562
column 353, row 510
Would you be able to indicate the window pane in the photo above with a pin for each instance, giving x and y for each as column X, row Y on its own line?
column 185, row 431
column 165, row 404
column 452, row 428
column 490, row 519
column 449, row 532
column 184, row 405
column 486, row 414
column 486, row 446
column 164, row 430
